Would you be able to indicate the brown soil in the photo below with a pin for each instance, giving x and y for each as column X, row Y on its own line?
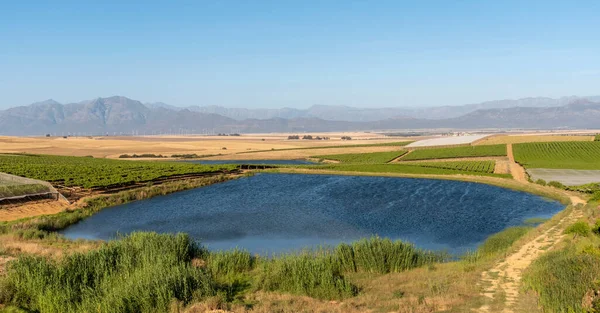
column 29, row 209
column 517, row 171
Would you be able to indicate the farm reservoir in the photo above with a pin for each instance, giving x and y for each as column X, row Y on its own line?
column 271, row 213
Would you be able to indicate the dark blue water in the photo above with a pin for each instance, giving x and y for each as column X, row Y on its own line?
column 281, row 212
column 260, row 162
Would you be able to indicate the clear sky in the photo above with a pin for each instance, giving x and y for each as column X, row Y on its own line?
column 280, row 53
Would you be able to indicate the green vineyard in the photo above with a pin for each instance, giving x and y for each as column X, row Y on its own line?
column 456, row 152
column 369, row 158
column 584, row 155
column 404, row 168
column 468, row 166
column 90, row 172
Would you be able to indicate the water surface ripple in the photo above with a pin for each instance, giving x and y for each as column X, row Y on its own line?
column 270, row 213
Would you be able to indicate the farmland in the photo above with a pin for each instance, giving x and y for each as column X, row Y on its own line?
column 91, row 172
column 467, row 166
column 456, row 152
column 559, row 155
column 370, row 158
column 597, row 137
column 524, row 138
column 475, row 168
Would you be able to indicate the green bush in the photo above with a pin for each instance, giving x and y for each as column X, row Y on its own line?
column 541, row 182
column 581, row 228
column 143, row 272
column 556, row 184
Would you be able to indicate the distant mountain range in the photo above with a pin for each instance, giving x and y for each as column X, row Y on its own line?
column 350, row 114
column 123, row 115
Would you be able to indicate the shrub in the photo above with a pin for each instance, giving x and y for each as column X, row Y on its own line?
column 556, row 184
column 541, row 182
column 596, row 228
column 581, row 228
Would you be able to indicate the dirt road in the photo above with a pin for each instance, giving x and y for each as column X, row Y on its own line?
column 517, row 171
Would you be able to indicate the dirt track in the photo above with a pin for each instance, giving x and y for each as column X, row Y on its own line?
column 517, row 171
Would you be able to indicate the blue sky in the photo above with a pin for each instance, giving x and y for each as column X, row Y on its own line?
column 298, row 53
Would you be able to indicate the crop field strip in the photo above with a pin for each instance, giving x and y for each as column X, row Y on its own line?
column 455, row 152
column 477, row 168
column 559, row 155
column 367, row 158
column 92, row 173
column 467, row 166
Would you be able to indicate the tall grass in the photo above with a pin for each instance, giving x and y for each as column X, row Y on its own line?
column 304, row 274
column 320, row 273
column 144, row 272
column 147, row 272
column 382, row 255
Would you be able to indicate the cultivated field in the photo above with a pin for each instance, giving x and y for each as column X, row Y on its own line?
column 455, row 152
column 447, row 141
column 467, row 166
column 559, row 155
column 474, row 168
column 524, row 138
column 91, row 172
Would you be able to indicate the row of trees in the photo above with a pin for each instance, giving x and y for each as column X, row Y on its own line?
column 307, row 137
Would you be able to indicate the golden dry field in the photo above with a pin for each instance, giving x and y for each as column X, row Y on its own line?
column 112, row 147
